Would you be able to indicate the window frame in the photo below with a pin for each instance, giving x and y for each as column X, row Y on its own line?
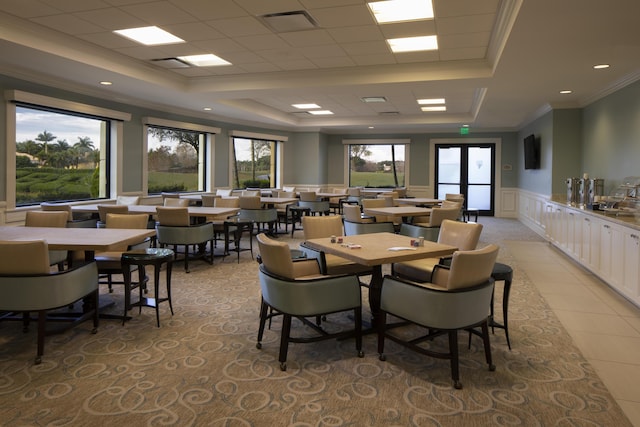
column 14, row 98
column 206, row 156
column 278, row 162
column 347, row 155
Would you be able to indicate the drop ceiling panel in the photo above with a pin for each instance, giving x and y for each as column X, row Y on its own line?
column 68, row 24
column 159, row 13
column 465, row 24
column 367, row 48
column 111, row 19
column 346, row 16
column 360, row 33
column 408, row 29
column 271, row 6
column 238, row 27
column 28, row 8
column 76, row 5
column 263, row 42
column 448, row 8
column 209, row 10
column 307, row 38
column 194, row 31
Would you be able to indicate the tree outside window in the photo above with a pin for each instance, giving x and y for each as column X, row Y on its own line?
column 58, row 156
column 376, row 165
column 253, row 163
column 174, row 160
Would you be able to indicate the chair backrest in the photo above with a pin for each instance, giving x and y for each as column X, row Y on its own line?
column 290, row 188
column 315, row 227
column 276, row 256
column 26, row 257
column 227, row 202
column 340, row 190
column 402, row 192
column 352, row 213
column 46, row 219
column 412, row 230
column 462, row 235
column 352, row 228
column 354, row 191
column 286, row 194
column 173, row 216
column 250, row 202
column 209, row 200
column 137, row 221
column 308, row 196
column 175, row 202
column 454, row 197
column 440, row 214
column 250, row 193
column 169, row 196
column 468, row 268
column 373, row 203
column 103, row 210
column 224, row 192
column 127, row 200
column 57, row 207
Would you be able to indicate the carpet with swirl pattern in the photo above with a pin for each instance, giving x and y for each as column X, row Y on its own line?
column 201, row 367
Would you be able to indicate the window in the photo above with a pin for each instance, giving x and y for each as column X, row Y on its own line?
column 254, row 163
column 175, row 160
column 376, row 165
column 60, row 156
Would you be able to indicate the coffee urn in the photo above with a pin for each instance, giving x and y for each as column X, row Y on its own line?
column 572, row 191
column 596, row 191
column 583, row 191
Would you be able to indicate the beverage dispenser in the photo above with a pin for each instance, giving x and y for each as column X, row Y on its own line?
column 596, row 191
column 583, row 191
column 572, row 191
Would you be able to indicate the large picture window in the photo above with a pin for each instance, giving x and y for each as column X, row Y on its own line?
column 254, row 163
column 175, row 160
column 60, row 156
column 376, row 165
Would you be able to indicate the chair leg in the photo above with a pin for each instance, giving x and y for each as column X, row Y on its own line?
column 186, row 258
column 487, row 346
column 42, row 320
column 381, row 326
column 264, row 308
column 453, row 352
column 357, row 314
column 284, row 341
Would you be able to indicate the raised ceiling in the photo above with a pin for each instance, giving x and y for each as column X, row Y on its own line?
column 500, row 63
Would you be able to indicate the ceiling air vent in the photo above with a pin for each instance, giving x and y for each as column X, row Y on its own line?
column 389, row 113
column 170, row 63
column 287, row 22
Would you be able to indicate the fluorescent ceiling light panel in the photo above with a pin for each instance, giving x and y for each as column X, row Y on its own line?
column 149, row 36
column 207, row 60
column 435, row 108
column 431, row 101
column 401, row 10
column 413, row 44
column 373, row 99
column 305, row 106
column 321, row 112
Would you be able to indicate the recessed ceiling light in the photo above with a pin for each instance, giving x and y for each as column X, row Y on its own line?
column 371, row 127
column 435, row 108
column 431, row 101
column 373, row 99
column 413, row 44
column 149, row 36
column 207, row 60
column 401, row 10
column 601, row 66
column 106, row 83
column 565, row 92
column 207, row 108
column 320, row 112
column 305, row 106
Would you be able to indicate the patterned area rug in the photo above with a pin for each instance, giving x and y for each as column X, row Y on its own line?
column 202, row 367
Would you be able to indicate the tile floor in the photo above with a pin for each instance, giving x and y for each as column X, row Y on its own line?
column 604, row 325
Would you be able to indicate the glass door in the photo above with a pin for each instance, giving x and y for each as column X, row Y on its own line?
column 467, row 169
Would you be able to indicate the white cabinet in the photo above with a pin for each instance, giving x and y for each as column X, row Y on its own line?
column 631, row 281
column 611, row 254
column 590, row 245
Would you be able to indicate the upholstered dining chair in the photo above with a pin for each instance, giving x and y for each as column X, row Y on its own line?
column 315, row 227
column 175, row 202
column 49, row 219
column 354, row 213
column 174, row 229
column 28, row 285
column 103, row 210
column 379, row 203
column 309, row 199
column 457, row 297
column 436, row 217
column 353, row 228
column 108, row 262
column 128, row 200
column 462, row 235
column 224, row 192
column 81, row 221
column 209, row 200
column 296, row 289
column 251, row 210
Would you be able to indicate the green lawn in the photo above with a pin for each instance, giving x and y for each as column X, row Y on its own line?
column 375, row 179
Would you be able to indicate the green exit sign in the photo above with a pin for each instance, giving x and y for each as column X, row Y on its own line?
column 464, row 131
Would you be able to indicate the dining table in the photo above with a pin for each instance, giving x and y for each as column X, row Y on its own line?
column 194, row 211
column 418, row 201
column 405, row 212
column 263, row 199
column 375, row 250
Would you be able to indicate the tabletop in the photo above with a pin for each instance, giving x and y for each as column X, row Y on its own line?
column 82, row 239
column 399, row 211
column 263, row 199
column 375, row 248
column 418, row 201
column 195, row 211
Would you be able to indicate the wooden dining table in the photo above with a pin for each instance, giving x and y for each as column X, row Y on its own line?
column 418, row 201
column 405, row 212
column 194, row 211
column 375, row 250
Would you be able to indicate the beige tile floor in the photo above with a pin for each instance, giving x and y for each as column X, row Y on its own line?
column 604, row 326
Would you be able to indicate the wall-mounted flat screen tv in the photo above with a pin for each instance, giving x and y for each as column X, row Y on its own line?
column 531, row 152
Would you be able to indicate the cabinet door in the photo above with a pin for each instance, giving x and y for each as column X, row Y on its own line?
column 630, row 284
column 611, row 255
column 590, row 254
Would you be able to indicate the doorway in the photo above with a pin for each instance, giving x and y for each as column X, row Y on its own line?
column 467, row 169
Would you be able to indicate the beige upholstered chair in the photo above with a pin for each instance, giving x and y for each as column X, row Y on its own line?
column 224, row 192
column 289, row 188
column 251, row 210
column 462, row 235
column 28, row 285
column 297, row 289
column 309, row 199
column 335, row 202
column 389, row 197
column 378, row 203
column 49, row 219
column 458, row 297
column 315, row 227
column 437, row 216
column 103, row 210
column 353, row 228
column 127, row 200
column 173, row 229
column 109, row 262
column 82, row 221
column 283, row 208
column 175, row 202
column 209, row 200
column 250, row 193
column 354, row 213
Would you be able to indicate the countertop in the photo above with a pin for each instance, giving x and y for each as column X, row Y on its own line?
column 632, row 221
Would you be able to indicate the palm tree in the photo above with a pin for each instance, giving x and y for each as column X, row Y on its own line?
column 84, row 146
column 45, row 137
